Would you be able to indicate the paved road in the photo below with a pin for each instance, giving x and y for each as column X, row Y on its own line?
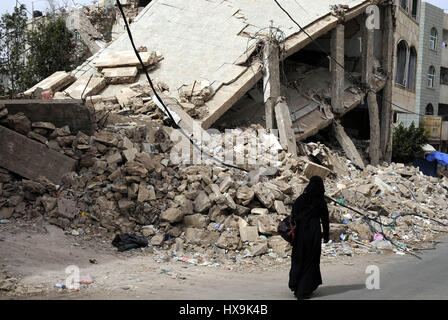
column 401, row 277
column 406, row 278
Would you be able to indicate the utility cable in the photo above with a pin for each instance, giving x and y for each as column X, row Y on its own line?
column 161, row 101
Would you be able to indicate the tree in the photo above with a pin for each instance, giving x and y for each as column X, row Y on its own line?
column 408, row 142
column 13, row 51
column 32, row 51
column 52, row 48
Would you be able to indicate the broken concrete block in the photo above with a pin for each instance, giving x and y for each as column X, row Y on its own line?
column 43, row 125
column 241, row 210
column 6, row 213
column 283, row 186
column 37, row 137
column 202, row 202
column 200, row 236
column 146, row 193
column 336, row 229
column 279, row 245
column 136, row 169
column 86, row 86
column 228, row 240
column 53, row 83
column 149, row 162
column 114, row 158
column 313, row 169
column 385, row 188
column 197, row 220
column 125, row 205
column 259, row 249
column 66, row 208
column 19, row 123
column 148, row 231
column 248, row 233
column 259, row 211
column 172, row 215
column 225, row 184
column 229, row 201
column 280, row 207
column 245, row 195
column 185, row 204
column 129, row 154
column 365, row 189
column 264, row 194
column 362, row 229
column 30, row 159
column 157, row 240
column 267, row 225
column 112, row 59
column 124, row 97
column 120, row 75
column 108, row 138
column 127, row 144
column 3, row 113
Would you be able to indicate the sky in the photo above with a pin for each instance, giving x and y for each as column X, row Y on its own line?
column 42, row 5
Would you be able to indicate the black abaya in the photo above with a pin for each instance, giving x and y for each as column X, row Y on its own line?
column 308, row 211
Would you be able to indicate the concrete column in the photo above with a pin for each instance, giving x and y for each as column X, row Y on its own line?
column 386, row 115
column 284, row 124
column 367, row 77
column 271, row 81
column 337, row 68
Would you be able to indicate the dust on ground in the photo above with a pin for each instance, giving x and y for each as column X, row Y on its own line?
column 34, row 259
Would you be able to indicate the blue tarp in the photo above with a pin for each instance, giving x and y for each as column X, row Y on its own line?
column 428, row 168
column 441, row 158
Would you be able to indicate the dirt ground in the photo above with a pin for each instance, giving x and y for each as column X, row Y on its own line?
column 38, row 255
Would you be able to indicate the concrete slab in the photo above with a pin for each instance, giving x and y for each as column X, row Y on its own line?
column 53, row 83
column 30, row 159
column 86, row 86
column 120, row 74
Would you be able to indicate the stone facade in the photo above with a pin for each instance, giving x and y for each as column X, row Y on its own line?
column 431, row 19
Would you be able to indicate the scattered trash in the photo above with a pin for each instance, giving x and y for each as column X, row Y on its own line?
column 85, row 279
column 378, row 237
column 93, row 261
column 382, row 244
column 61, row 286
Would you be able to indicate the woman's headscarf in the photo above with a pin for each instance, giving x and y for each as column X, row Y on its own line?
column 311, row 198
column 315, row 188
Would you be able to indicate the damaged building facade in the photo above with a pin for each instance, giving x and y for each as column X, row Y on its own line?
column 421, row 60
column 242, row 64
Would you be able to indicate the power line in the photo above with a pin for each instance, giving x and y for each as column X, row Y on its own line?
column 25, row 8
column 158, row 97
column 337, row 62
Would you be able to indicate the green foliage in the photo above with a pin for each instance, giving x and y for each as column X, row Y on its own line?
column 52, row 48
column 408, row 142
column 13, row 51
column 32, row 51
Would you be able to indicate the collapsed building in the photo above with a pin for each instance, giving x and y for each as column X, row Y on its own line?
column 97, row 158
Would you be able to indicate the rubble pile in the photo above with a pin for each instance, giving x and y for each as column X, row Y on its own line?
column 126, row 182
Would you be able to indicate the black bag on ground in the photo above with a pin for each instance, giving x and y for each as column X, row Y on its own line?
column 286, row 229
column 129, row 241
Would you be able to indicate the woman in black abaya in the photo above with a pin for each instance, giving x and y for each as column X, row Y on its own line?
column 308, row 211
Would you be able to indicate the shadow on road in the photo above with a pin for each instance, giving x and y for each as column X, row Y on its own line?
column 333, row 290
